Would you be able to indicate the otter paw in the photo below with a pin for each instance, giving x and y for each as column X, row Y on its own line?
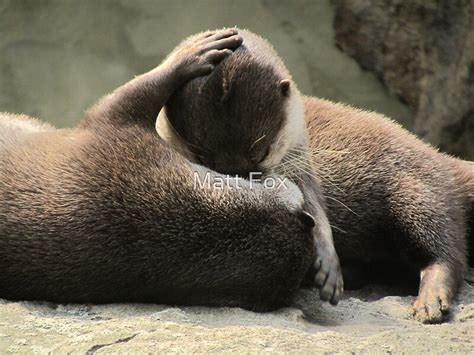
column 432, row 305
column 199, row 56
column 328, row 277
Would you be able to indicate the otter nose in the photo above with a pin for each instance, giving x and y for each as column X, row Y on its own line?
column 233, row 166
column 241, row 174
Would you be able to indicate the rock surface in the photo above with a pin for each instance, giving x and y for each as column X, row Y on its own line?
column 371, row 319
column 424, row 52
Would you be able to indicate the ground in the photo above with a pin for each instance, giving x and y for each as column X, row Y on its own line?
column 371, row 319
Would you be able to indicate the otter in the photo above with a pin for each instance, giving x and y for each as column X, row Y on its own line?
column 391, row 199
column 107, row 211
column 394, row 200
column 248, row 117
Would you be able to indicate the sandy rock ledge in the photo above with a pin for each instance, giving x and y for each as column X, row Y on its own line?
column 371, row 319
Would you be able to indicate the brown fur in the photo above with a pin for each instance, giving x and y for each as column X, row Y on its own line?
column 107, row 212
column 393, row 199
column 209, row 116
column 248, row 116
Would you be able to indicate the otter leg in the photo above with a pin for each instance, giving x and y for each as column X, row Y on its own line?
column 326, row 269
column 439, row 278
column 439, row 282
column 140, row 100
column 436, row 293
column 433, row 239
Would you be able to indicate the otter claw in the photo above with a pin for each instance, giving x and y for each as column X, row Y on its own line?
column 431, row 307
column 434, row 299
column 214, row 36
column 215, row 56
column 232, row 42
column 199, row 55
column 329, row 279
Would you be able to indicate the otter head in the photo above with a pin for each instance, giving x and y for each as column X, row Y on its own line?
column 244, row 117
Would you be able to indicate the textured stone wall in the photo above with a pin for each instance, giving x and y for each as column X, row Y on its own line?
column 58, row 56
column 423, row 50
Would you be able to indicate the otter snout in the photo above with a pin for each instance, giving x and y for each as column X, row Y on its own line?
column 236, row 166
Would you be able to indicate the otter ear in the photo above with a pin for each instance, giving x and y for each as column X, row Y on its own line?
column 307, row 219
column 284, row 87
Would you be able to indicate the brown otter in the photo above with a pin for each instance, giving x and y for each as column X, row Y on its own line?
column 107, row 212
column 390, row 197
column 394, row 199
column 248, row 116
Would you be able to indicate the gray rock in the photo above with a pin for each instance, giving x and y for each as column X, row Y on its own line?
column 374, row 319
column 424, row 52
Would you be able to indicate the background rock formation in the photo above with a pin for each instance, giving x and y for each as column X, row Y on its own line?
column 58, row 57
column 423, row 50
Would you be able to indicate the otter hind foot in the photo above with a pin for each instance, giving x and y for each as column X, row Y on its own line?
column 434, row 299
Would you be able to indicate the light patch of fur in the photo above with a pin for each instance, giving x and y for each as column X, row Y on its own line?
column 292, row 133
column 14, row 129
column 169, row 135
column 291, row 196
column 13, row 122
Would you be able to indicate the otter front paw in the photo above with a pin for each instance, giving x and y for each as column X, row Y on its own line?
column 328, row 275
column 199, row 55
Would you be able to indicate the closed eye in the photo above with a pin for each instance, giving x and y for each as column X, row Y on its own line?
column 200, row 159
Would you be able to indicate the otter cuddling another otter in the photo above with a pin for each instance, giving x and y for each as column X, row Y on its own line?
column 107, row 212
column 237, row 121
column 391, row 199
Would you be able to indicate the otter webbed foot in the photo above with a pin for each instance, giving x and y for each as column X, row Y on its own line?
column 435, row 296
